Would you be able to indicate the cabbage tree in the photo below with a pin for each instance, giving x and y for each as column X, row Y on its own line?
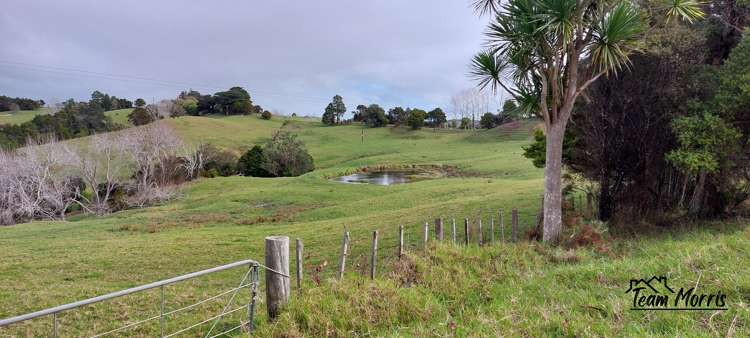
column 545, row 53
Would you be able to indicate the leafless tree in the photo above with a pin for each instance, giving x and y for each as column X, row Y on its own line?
column 193, row 159
column 470, row 103
column 100, row 163
column 35, row 182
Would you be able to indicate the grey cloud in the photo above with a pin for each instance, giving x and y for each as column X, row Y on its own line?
column 291, row 56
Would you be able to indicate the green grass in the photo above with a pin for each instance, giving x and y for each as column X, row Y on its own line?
column 7, row 117
column 216, row 221
column 117, row 116
column 120, row 116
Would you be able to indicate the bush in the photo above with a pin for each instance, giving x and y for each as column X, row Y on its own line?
column 251, row 163
column 266, row 115
column 218, row 162
column 416, row 118
column 284, row 155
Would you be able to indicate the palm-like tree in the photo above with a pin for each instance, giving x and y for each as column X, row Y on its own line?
column 545, row 53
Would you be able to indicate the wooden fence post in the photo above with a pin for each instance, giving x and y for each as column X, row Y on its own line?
column 502, row 227
column 439, row 228
column 514, row 225
column 400, row 240
column 344, row 250
column 492, row 229
column 299, row 263
column 426, row 232
column 453, row 233
column 278, row 286
column 480, row 235
column 466, row 230
column 374, row 255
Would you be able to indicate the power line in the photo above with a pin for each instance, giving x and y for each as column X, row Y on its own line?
column 72, row 72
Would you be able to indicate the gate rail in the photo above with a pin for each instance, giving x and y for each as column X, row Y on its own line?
column 253, row 273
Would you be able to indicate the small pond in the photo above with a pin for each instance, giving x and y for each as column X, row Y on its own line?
column 388, row 177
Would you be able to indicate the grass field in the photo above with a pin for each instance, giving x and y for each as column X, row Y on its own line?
column 7, row 117
column 117, row 116
column 512, row 290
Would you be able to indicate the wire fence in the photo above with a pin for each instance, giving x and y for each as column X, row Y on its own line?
column 229, row 298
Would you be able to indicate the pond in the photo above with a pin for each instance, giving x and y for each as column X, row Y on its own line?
column 376, row 177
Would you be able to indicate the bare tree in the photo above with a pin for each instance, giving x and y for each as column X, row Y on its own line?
column 470, row 103
column 100, row 163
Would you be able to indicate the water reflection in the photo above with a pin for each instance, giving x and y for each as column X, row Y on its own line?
column 378, row 178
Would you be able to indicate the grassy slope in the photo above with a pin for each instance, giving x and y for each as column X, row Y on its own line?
column 19, row 117
column 220, row 220
column 118, row 116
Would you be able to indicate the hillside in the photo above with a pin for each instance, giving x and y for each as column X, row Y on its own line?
column 117, row 116
column 517, row 289
column 8, row 117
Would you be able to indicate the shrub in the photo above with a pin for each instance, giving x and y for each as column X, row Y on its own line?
column 285, row 155
column 266, row 115
column 416, row 118
column 218, row 162
column 251, row 163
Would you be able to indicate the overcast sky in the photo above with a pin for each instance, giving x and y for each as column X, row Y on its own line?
column 292, row 56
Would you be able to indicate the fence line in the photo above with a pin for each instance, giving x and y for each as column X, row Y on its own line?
column 278, row 279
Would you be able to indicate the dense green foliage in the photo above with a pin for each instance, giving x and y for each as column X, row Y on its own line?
column 285, row 155
column 18, row 103
column 416, row 118
column 705, row 141
column 436, row 117
column 374, row 116
column 140, row 116
column 105, row 102
column 251, row 163
column 334, row 111
column 75, row 119
column 487, row 121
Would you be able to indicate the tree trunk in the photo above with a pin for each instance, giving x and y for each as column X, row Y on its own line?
column 553, row 183
column 605, row 198
column 696, row 202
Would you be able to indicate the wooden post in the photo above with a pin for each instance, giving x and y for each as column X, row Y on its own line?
column 514, row 225
column 540, row 218
column 344, row 251
column 299, row 263
column 466, row 230
column 492, row 229
column 502, row 227
column 278, row 286
column 439, row 229
column 480, row 236
column 453, row 233
column 374, row 255
column 426, row 232
column 400, row 240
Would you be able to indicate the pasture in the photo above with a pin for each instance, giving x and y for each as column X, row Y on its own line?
column 514, row 289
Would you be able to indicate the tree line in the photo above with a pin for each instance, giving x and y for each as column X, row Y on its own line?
column 19, row 103
column 234, row 101
column 374, row 116
column 74, row 119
